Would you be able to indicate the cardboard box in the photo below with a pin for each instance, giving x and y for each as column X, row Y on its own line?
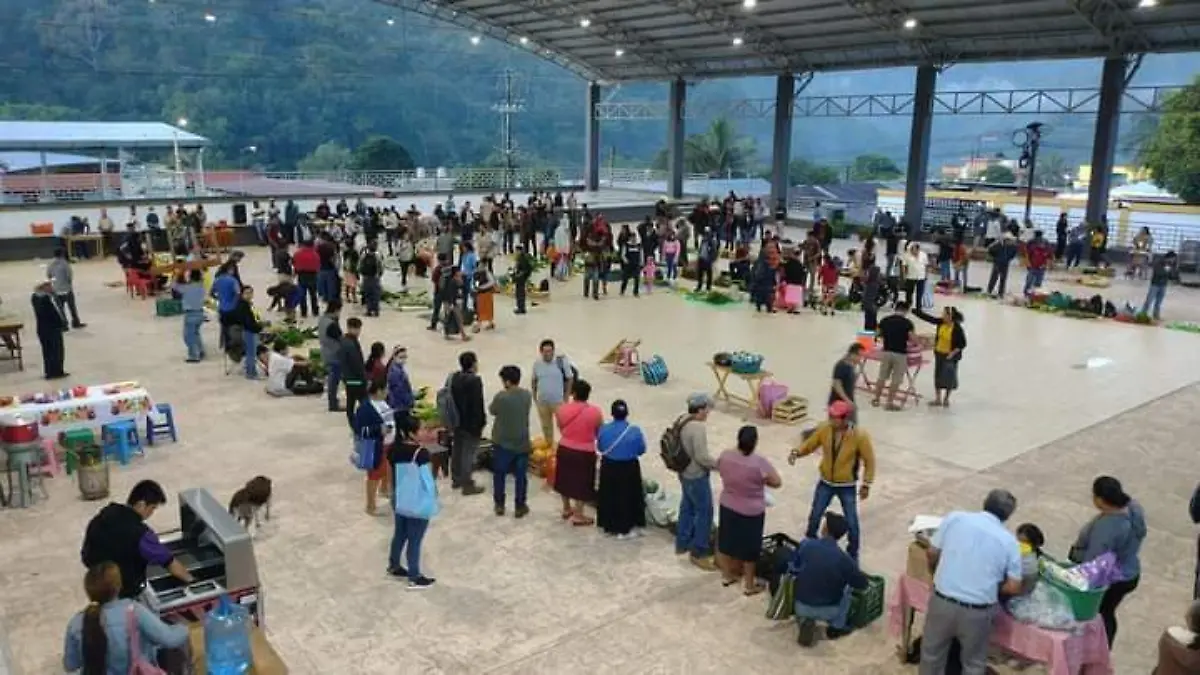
column 918, row 562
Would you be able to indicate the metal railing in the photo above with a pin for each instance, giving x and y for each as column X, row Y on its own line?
column 151, row 182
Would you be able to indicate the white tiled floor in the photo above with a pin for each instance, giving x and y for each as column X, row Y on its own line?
column 534, row 596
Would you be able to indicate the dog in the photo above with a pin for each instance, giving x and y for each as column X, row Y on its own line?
column 247, row 502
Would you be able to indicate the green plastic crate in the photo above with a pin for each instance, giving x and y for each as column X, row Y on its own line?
column 75, row 439
column 867, row 605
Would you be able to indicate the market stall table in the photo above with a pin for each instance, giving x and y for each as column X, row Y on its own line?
column 83, row 240
column 908, row 388
column 1062, row 652
column 753, row 382
column 10, row 334
column 99, row 406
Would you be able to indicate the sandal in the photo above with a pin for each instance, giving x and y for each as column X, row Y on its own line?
column 582, row 522
column 750, row 592
column 934, row 404
column 729, row 582
column 567, row 513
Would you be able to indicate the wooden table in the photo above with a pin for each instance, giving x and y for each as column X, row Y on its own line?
column 10, row 334
column 907, row 391
column 753, row 382
column 85, row 239
column 266, row 659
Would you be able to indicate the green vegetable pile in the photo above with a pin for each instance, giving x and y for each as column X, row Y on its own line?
column 407, row 299
column 710, row 297
column 293, row 336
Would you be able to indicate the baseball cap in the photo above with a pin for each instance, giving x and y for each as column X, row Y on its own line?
column 699, row 401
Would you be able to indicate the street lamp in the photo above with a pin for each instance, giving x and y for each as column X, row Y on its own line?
column 182, row 122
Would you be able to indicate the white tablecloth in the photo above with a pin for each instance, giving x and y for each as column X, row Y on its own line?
column 92, row 411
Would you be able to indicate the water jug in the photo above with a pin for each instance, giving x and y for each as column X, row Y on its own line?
column 227, row 639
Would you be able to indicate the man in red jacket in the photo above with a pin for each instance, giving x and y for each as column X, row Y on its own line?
column 1039, row 254
column 307, row 263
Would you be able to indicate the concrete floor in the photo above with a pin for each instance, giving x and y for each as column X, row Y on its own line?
column 536, row 596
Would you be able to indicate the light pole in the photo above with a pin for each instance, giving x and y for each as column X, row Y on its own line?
column 1029, row 151
column 182, row 122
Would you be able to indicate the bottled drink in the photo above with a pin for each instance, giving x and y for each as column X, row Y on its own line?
column 227, row 639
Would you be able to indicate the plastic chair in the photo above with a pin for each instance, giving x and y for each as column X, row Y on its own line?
column 135, row 282
column 50, row 465
column 121, row 439
column 166, row 426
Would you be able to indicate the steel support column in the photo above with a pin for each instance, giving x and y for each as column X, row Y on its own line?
column 591, row 151
column 676, row 128
column 781, row 153
column 918, row 147
column 1104, row 144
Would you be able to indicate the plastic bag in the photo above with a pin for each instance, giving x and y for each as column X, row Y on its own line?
column 1100, row 571
column 783, row 602
column 1046, row 607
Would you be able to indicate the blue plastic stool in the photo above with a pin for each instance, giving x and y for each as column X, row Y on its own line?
column 121, row 439
column 161, row 428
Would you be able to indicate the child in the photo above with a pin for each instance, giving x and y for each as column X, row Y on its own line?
column 350, row 273
column 961, row 259
column 670, row 250
column 1030, row 541
column 829, row 285
column 649, row 271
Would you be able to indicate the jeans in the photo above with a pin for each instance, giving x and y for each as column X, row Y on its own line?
column 372, row 290
column 327, row 284
column 462, row 458
column 835, row 616
column 999, row 275
column 333, row 377
column 1154, row 299
column 65, row 302
column 356, row 395
column 591, row 280
column 519, row 291
column 693, row 532
column 848, row 497
column 437, row 311
column 251, row 342
column 308, row 293
column 504, row 463
column 944, row 270
column 630, row 273
column 192, row 321
column 960, row 276
column 408, row 533
column 1074, row 254
column 672, row 269
column 260, row 231
column 1033, row 279
column 704, row 275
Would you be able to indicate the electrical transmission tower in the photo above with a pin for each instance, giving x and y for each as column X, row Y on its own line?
column 510, row 105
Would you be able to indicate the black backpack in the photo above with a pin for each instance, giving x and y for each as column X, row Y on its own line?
column 671, row 449
column 368, row 266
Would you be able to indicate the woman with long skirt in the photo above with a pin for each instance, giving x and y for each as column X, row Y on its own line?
column 621, row 502
column 949, row 342
column 745, row 476
column 575, row 460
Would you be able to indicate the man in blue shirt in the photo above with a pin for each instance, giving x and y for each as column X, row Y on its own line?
column 227, row 290
column 975, row 558
column 825, row 575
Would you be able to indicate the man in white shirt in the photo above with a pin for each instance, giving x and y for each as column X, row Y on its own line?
column 975, row 558
column 286, row 374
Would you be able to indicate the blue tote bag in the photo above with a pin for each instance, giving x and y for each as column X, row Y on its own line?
column 416, row 490
column 365, row 450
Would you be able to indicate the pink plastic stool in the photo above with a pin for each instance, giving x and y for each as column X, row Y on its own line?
column 50, row 465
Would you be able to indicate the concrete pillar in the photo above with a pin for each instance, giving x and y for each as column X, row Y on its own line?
column 676, row 128
column 1104, row 144
column 45, row 181
column 918, row 147
column 104, row 174
column 781, row 154
column 591, row 151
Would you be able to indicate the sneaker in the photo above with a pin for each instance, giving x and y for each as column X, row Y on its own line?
column 473, row 490
column 499, row 509
column 806, row 636
column 397, row 572
column 705, row 563
column 420, row 583
column 624, row 537
column 521, row 511
column 832, row 633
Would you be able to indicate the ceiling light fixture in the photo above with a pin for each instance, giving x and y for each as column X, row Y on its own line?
column 474, row 39
column 910, row 23
column 391, row 22
column 619, row 52
column 524, row 40
column 737, row 42
column 1147, row 4
column 749, row 4
column 210, row 18
column 585, row 22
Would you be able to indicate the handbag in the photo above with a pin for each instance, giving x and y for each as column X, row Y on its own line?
column 415, row 492
column 365, row 448
column 783, row 602
column 138, row 664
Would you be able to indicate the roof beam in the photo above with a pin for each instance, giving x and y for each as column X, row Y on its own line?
column 759, row 40
column 624, row 38
column 889, row 16
column 1110, row 21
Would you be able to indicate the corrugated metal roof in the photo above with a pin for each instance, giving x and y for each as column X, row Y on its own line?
column 18, row 162
column 18, row 135
column 637, row 40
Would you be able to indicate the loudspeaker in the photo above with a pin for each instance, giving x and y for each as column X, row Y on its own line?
column 239, row 214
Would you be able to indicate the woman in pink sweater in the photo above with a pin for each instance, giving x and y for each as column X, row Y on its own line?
column 670, row 249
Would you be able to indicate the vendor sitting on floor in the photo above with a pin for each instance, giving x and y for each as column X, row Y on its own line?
column 286, row 374
column 824, row 576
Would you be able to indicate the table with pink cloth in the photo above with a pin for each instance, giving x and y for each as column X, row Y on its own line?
column 1063, row 653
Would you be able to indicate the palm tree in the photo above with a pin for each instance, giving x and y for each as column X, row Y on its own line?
column 1051, row 171
column 718, row 150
